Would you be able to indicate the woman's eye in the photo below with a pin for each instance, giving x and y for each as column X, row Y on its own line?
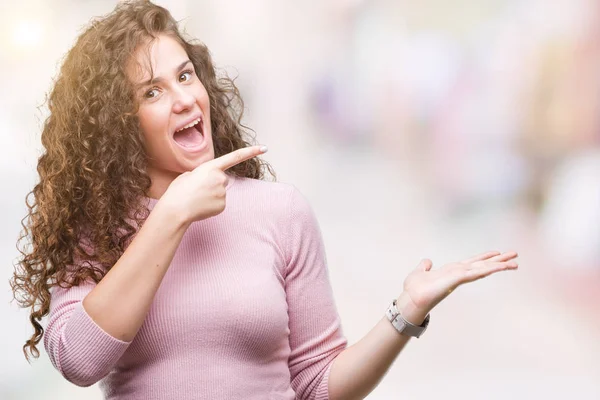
column 187, row 74
column 150, row 94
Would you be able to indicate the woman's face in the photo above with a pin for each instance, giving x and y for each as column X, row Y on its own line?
column 174, row 100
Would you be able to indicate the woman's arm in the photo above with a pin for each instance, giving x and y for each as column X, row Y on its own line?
column 121, row 300
column 358, row 369
column 91, row 325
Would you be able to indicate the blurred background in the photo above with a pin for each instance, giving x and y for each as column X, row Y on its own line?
column 430, row 129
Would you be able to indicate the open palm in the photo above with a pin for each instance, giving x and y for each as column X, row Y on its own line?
column 426, row 287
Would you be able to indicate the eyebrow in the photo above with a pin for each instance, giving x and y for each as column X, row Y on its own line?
column 158, row 78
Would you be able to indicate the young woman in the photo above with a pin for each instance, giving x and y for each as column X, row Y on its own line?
column 152, row 286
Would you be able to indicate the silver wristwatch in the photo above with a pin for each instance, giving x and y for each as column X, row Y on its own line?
column 402, row 325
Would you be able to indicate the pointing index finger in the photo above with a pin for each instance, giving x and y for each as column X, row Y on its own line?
column 238, row 156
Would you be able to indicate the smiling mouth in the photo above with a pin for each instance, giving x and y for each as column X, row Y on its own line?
column 190, row 137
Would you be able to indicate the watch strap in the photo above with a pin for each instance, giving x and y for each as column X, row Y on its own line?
column 402, row 325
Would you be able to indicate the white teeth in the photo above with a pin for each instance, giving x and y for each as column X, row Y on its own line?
column 189, row 125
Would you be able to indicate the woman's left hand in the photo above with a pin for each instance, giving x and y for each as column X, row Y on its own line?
column 424, row 287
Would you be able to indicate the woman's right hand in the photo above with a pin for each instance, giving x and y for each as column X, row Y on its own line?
column 199, row 194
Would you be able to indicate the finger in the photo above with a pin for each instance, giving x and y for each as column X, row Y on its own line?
column 488, row 269
column 235, row 157
column 425, row 264
column 505, row 256
column 481, row 257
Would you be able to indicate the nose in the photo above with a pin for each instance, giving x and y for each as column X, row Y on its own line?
column 182, row 100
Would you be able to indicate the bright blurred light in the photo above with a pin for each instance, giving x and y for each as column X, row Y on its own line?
column 27, row 34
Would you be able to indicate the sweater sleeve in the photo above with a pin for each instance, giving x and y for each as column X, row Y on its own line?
column 316, row 336
column 78, row 348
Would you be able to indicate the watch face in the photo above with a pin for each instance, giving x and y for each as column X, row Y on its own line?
column 425, row 323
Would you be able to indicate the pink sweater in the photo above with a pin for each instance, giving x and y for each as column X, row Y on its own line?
column 245, row 311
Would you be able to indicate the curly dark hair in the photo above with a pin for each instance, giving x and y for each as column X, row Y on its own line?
column 93, row 171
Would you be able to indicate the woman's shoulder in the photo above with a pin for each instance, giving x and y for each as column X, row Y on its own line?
column 273, row 195
column 259, row 187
